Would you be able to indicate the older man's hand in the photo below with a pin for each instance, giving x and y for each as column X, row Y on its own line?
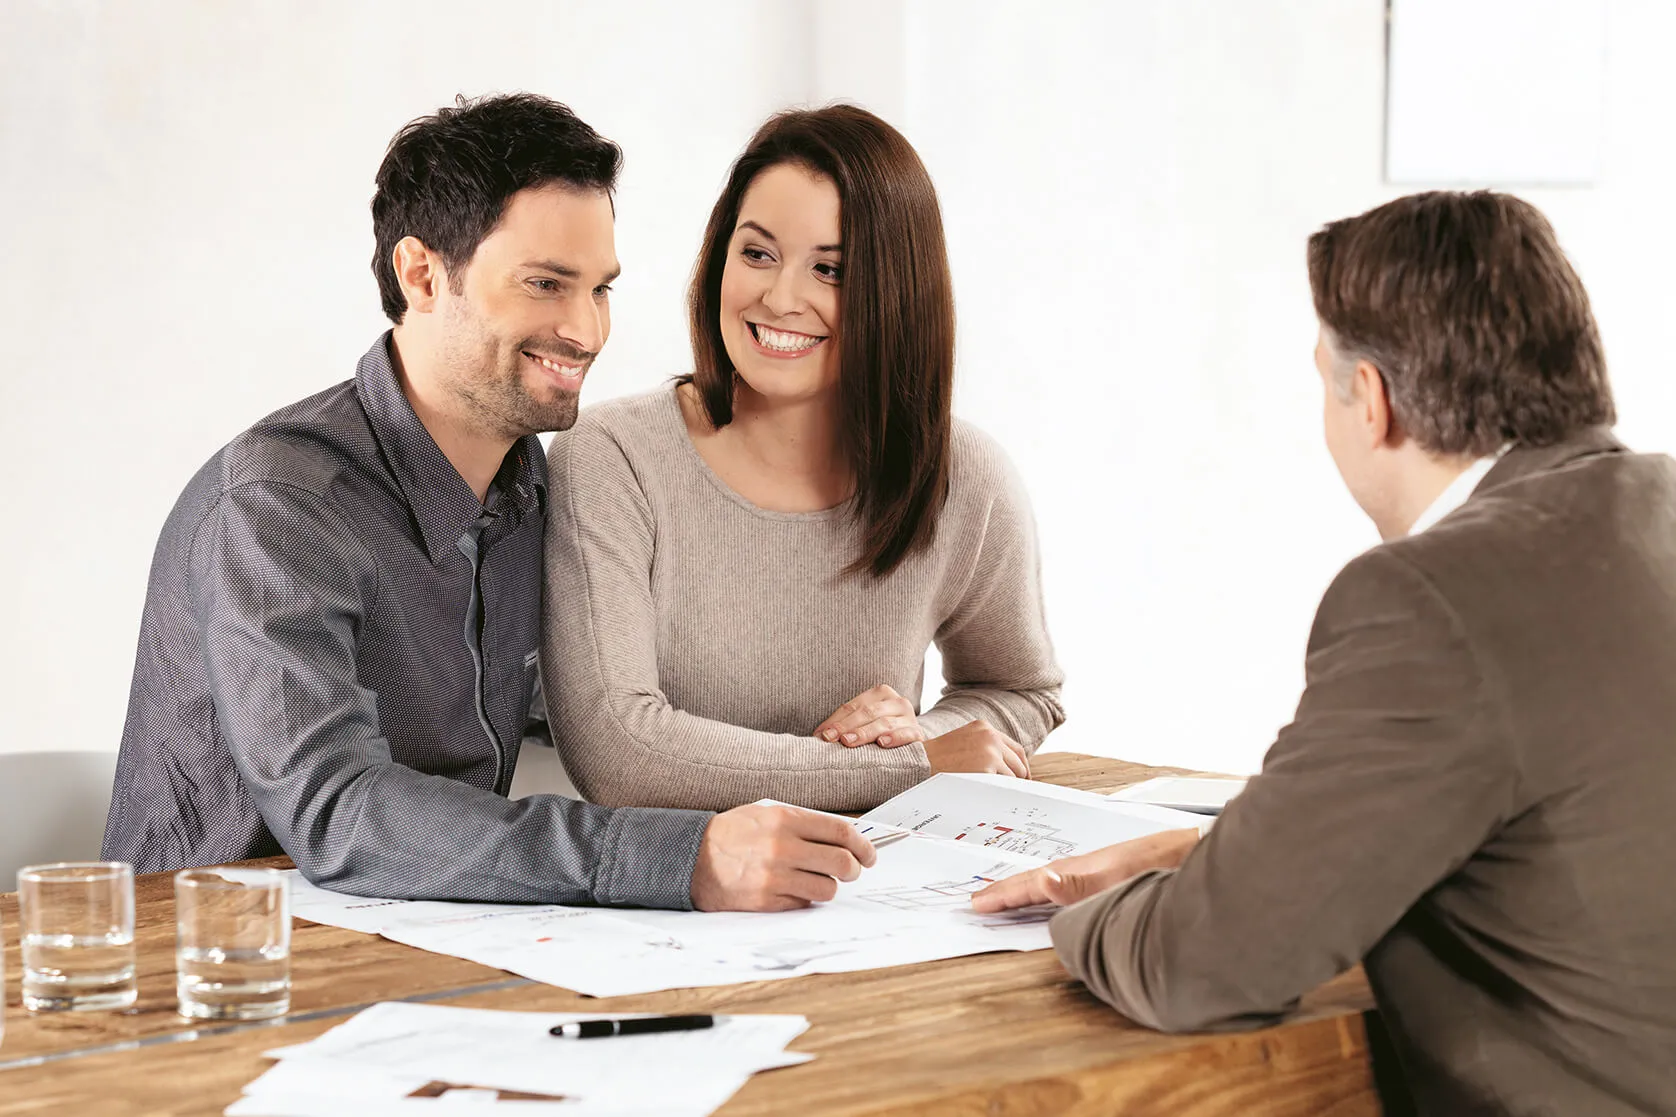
column 1076, row 878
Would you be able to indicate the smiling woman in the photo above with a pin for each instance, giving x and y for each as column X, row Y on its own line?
column 779, row 292
column 844, row 188
column 745, row 570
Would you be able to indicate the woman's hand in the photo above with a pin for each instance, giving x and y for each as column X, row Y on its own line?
column 878, row 716
column 978, row 746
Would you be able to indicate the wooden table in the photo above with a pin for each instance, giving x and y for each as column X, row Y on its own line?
column 992, row 1034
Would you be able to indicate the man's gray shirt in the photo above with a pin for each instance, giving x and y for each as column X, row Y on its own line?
column 336, row 661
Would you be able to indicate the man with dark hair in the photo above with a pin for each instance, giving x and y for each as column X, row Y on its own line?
column 1477, row 797
column 338, row 650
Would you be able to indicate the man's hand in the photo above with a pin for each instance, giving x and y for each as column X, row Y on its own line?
column 878, row 716
column 978, row 747
column 1076, row 878
column 773, row 858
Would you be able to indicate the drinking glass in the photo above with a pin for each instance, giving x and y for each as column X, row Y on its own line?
column 77, row 931
column 232, row 943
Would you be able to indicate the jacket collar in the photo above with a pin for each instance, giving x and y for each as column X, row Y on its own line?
column 1523, row 461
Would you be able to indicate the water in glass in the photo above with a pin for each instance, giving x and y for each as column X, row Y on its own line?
column 232, row 943
column 78, row 971
column 233, row 984
column 77, row 935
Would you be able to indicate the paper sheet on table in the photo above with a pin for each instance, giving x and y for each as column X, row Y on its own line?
column 1008, row 816
column 318, row 1087
column 369, row 914
column 1200, row 795
column 377, row 1059
column 913, row 906
column 314, row 1103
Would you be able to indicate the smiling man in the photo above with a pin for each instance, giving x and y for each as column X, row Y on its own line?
column 338, row 650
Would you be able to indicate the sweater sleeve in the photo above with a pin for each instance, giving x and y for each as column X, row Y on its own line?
column 621, row 739
column 998, row 661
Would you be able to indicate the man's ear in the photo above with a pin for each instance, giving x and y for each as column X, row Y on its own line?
column 1373, row 405
column 420, row 273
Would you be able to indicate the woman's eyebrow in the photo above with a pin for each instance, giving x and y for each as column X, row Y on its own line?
column 776, row 240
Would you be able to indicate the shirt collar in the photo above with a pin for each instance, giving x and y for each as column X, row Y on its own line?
column 442, row 505
column 1457, row 493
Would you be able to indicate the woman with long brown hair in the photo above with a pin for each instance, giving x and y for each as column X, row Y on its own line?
column 745, row 569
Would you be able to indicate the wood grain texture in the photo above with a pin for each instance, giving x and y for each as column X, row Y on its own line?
column 992, row 1034
column 331, row 968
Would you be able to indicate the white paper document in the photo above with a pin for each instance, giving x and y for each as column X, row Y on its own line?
column 1040, row 821
column 401, row 1058
column 914, row 905
column 1194, row 794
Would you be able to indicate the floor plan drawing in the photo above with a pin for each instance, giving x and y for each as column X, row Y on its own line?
column 1010, row 817
column 936, row 845
column 935, row 896
column 1028, row 836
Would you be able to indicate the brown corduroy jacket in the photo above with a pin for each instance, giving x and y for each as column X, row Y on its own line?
column 1477, row 798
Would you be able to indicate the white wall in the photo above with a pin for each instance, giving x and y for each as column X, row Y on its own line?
column 1127, row 186
column 186, row 240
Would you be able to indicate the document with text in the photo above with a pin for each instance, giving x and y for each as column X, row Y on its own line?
column 410, row 1058
column 947, row 839
column 1038, row 820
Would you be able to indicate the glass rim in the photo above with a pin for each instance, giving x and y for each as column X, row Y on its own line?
column 70, row 872
column 227, row 877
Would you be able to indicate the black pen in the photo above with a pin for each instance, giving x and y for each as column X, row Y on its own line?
column 599, row 1029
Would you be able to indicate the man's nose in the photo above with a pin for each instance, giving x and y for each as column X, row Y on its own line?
column 584, row 326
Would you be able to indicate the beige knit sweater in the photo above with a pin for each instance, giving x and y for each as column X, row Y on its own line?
column 694, row 640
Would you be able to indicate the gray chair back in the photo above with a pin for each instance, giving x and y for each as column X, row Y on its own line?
column 52, row 808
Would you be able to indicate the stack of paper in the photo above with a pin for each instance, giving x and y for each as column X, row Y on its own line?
column 1197, row 794
column 961, row 833
column 404, row 1059
column 1038, row 821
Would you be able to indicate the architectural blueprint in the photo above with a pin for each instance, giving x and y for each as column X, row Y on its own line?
column 1020, row 817
column 937, row 844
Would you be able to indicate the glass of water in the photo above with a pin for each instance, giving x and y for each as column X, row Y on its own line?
column 233, row 943
column 77, row 923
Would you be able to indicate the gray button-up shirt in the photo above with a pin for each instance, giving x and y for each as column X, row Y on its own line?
column 336, row 660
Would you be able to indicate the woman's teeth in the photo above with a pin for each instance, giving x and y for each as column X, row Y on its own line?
column 784, row 342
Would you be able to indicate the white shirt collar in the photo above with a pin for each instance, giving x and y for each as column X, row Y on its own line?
column 1456, row 494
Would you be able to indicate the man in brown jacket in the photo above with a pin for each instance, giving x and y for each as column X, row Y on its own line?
column 1477, row 798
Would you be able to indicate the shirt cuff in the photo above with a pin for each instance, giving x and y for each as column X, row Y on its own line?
column 649, row 857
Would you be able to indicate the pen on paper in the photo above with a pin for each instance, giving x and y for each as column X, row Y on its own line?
column 647, row 1025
